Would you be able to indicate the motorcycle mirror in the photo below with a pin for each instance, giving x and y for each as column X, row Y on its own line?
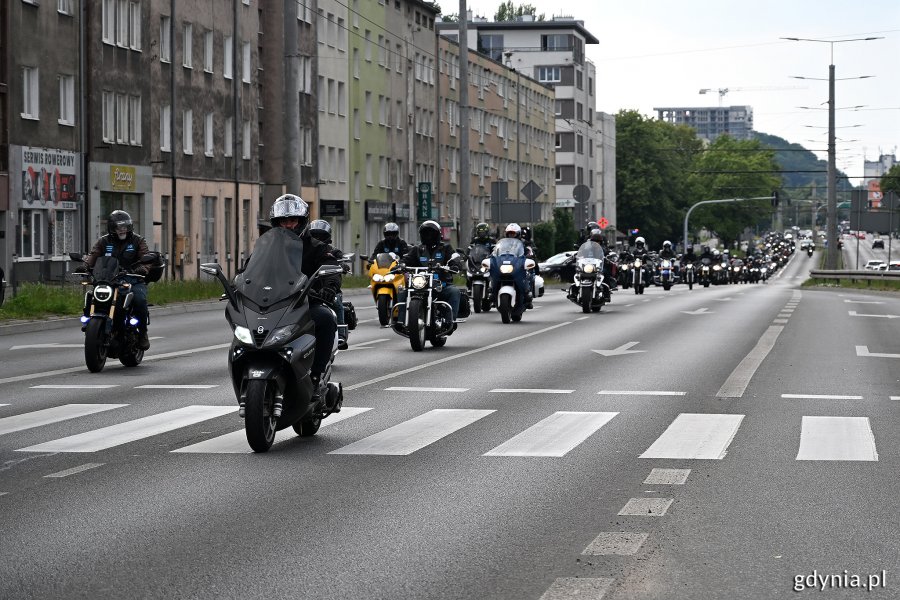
column 210, row 268
column 76, row 256
column 326, row 270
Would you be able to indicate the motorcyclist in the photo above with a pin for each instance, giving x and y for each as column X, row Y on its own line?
column 706, row 254
column 392, row 242
column 128, row 247
column 291, row 212
column 482, row 235
column 521, row 281
column 585, row 233
column 321, row 230
column 689, row 256
column 667, row 251
column 640, row 249
column 432, row 247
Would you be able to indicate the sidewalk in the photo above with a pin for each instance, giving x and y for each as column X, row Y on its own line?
column 26, row 326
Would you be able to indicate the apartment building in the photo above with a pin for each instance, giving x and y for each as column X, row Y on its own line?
column 710, row 121
column 511, row 138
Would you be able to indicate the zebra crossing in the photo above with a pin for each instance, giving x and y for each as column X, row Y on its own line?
column 690, row 436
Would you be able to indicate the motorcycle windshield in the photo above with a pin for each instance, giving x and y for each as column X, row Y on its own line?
column 384, row 260
column 274, row 271
column 511, row 246
column 590, row 250
column 478, row 253
column 106, row 268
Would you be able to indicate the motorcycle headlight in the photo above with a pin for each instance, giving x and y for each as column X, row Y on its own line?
column 102, row 293
column 419, row 281
column 377, row 277
column 279, row 336
column 624, row 267
column 717, row 268
column 637, row 263
column 737, row 268
column 243, row 335
column 506, row 269
column 589, row 268
column 389, row 277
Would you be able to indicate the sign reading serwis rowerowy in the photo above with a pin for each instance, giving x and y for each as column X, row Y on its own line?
column 48, row 178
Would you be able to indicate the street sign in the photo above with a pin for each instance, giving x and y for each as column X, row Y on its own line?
column 581, row 193
column 532, row 190
column 423, row 209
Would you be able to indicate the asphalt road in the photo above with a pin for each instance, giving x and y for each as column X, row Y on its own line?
column 713, row 443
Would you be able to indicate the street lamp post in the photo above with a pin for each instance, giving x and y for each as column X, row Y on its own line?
column 831, row 256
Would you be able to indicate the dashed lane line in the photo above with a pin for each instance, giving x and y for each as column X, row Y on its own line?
column 75, row 470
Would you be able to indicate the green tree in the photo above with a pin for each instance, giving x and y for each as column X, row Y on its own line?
column 563, row 231
column 891, row 181
column 544, row 235
column 507, row 11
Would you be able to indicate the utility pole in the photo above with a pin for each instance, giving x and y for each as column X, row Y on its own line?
column 465, row 205
column 292, row 177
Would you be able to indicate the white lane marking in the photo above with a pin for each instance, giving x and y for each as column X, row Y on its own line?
column 740, row 378
column 81, row 369
column 895, row 397
column 696, row 436
column 646, row 507
column 528, row 391
column 837, row 438
column 639, row 393
column 554, row 436
column 582, row 318
column 356, row 386
column 864, row 351
column 426, row 389
column 4, row 404
column 74, row 470
column 3, row 493
column 725, row 299
column 52, row 415
column 43, row 346
column 667, row 477
column 623, row 349
column 617, row 543
column 863, row 302
column 236, row 442
column 175, row 387
column 699, row 311
column 364, row 345
column 416, row 433
column 578, row 588
column 820, row 397
column 365, row 321
column 74, row 387
column 853, row 313
column 780, row 321
column 130, row 431
column 629, row 305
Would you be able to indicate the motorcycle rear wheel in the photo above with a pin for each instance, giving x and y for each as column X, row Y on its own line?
column 259, row 422
column 417, row 327
column 307, row 426
column 384, row 309
column 95, row 348
column 504, row 308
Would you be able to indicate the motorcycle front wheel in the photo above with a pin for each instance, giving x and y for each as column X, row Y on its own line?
column 477, row 297
column 259, row 422
column 132, row 358
column 585, row 300
column 307, row 426
column 384, row 309
column 504, row 308
column 417, row 325
column 95, row 345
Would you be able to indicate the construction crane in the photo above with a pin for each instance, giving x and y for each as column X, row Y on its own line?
column 723, row 91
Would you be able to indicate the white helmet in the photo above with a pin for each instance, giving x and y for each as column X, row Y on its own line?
column 514, row 229
column 667, row 244
column 639, row 241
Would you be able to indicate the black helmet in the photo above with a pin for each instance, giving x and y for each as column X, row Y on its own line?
column 289, row 205
column 391, row 230
column 596, row 236
column 118, row 219
column 430, row 233
column 321, row 230
column 482, row 230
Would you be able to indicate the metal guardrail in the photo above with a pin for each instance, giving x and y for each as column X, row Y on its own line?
column 863, row 275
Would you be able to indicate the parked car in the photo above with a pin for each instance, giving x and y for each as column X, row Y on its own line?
column 878, row 243
column 559, row 266
column 894, row 265
column 875, row 265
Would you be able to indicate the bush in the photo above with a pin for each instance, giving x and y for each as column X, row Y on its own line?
column 564, row 230
column 544, row 235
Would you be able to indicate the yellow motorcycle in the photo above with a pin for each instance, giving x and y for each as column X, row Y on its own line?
column 385, row 285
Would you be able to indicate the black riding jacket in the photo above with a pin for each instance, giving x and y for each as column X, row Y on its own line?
column 128, row 251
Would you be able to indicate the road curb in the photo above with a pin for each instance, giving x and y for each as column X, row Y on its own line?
column 179, row 308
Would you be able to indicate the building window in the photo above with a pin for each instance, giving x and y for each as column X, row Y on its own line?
column 342, row 35
column 492, row 46
column 30, row 93
column 342, row 99
column 66, row 100
column 109, row 21
column 134, row 22
column 187, row 130
column 31, row 225
column 556, row 42
column 187, row 227
column 62, row 232
column 109, row 117
column 208, row 135
column 368, row 47
column 188, row 46
column 165, row 39
column 246, row 62
column 208, row 51
column 134, row 120
column 368, row 107
column 245, row 150
column 304, row 11
column 549, row 74
column 165, row 130
column 306, row 149
column 64, row 7
column 122, row 23
column 229, row 57
column 579, row 144
column 208, row 228
column 229, row 135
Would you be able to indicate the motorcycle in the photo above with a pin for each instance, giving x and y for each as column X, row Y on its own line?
column 809, row 251
column 637, row 275
column 109, row 326
column 688, row 274
column 274, row 342
column 420, row 316
column 386, row 285
column 478, row 279
column 589, row 289
column 665, row 274
column 346, row 316
column 706, row 272
column 508, row 263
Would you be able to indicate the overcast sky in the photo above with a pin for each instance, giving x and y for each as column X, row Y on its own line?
column 654, row 54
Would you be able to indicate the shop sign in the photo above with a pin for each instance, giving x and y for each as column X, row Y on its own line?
column 122, row 178
column 48, row 177
column 379, row 211
column 332, row 208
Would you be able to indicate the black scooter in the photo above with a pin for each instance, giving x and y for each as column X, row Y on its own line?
column 272, row 351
